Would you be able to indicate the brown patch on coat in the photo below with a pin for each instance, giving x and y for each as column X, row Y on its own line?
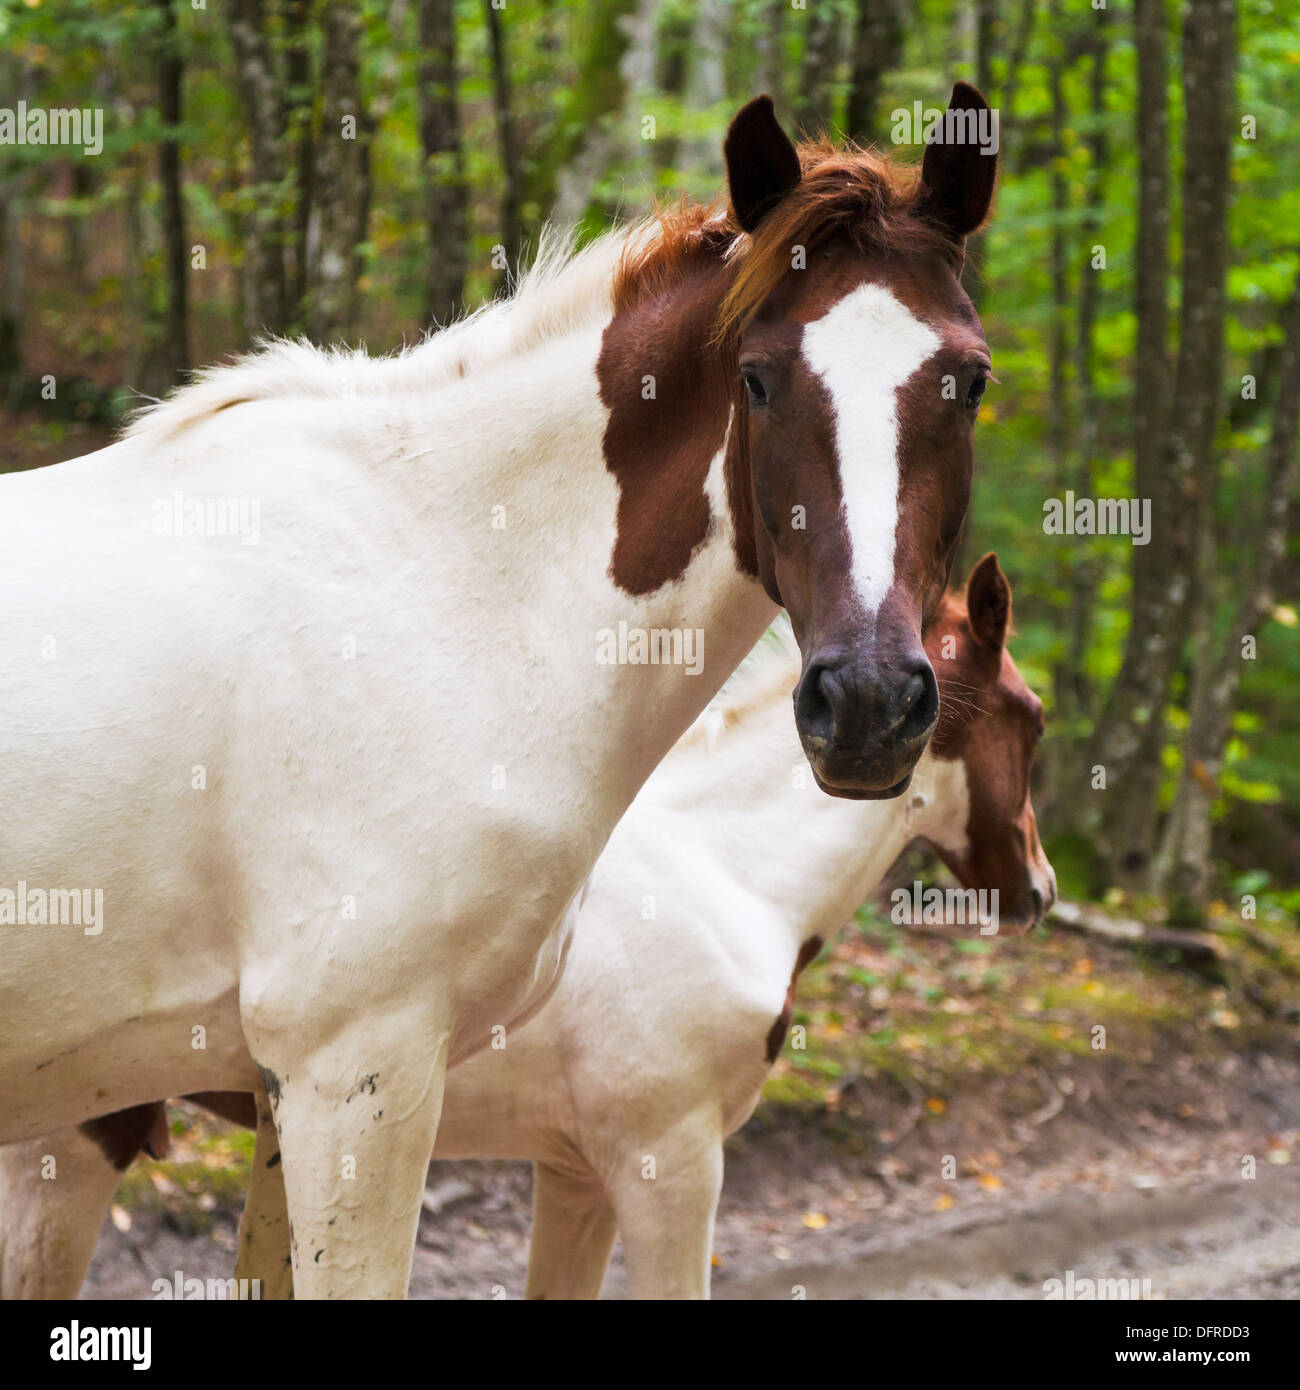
column 239, row 1107
column 124, row 1133
column 781, row 1027
column 661, row 438
column 682, row 298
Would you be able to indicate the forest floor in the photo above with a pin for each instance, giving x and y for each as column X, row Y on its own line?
column 952, row 1130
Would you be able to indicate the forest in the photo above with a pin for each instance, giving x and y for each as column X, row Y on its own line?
column 184, row 180
column 365, row 172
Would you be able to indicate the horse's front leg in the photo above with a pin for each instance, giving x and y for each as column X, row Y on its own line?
column 573, row 1233
column 356, row 1108
column 666, row 1197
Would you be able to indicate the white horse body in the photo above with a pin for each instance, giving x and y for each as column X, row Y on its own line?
column 376, row 780
column 340, row 786
column 655, row 1043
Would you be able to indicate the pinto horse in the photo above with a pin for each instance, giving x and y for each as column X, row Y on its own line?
column 337, row 780
column 750, row 873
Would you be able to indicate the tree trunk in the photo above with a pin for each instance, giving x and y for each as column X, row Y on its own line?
column 512, row 176
column 175, row 346
column 1174, row 433
column 1183, row 865
column 617, row 66
column 769, row 71
column 706, row 82
column 446, row 196
column 824, row 28
column 300, row 131
column 342, row 169
column 877, row 47
column 1084, row 577
column 258, row 84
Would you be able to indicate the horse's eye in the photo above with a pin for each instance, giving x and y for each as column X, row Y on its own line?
column 757, row 391
column 976, row 393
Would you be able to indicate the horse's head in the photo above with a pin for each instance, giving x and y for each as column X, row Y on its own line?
column 861, row 363
column 990, row 725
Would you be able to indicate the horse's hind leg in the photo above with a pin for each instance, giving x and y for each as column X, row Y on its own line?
column 264, row 1227
column 54, row 1193
column 356, row 1118
column 573, row 1233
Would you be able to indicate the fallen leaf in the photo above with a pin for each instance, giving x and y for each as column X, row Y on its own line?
column 936, row 1106
column 943, row 1201
column 816, row 1220
column 990, row 1182
column 121, row 1217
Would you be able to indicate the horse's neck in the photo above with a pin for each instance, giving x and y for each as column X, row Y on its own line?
column 763, row 823
column 615, row 529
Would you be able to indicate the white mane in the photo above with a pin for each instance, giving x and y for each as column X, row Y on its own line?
column 564, row 290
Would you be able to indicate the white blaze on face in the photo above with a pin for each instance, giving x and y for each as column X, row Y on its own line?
column 863, row 350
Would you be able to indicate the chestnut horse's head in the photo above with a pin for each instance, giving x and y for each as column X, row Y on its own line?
column 861, row 363
column 990, row 724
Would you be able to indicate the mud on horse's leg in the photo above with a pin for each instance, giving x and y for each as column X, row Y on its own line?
column 356, row 1120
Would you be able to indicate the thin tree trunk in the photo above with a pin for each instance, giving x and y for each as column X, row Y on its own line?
column 11, row 293
column 1183, row 865
column 1187, row 460
column 1084, row 577
column 877, row 47
column 300, row 130
column 342, row 179
column 986, row 29
column 176, row 355
column 512, row 177
column 618, row 66
column 259, row 85
column 1126, row 744
column 446, row 197
column 705, row 83
column 769, row 72
column 822, row 47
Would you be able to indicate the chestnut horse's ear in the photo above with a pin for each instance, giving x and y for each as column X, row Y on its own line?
column 762, row 164
column 957, row 178
column 988, row 603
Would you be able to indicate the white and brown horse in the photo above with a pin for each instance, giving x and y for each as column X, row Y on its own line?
column 657, row 1040
column 336, row 779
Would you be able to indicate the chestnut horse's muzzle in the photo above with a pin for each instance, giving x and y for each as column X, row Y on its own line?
column 864, row 723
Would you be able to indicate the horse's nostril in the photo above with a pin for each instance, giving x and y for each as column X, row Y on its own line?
column 815, row 702
column 920, row 705
column 1038, row 906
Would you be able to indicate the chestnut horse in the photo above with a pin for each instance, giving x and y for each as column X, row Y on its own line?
column 308, row 702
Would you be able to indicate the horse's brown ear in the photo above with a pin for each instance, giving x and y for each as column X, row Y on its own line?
column 988, row 602
column 957, row 178
column 762, row 164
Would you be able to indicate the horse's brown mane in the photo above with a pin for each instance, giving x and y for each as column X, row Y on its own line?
column 856, row 195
